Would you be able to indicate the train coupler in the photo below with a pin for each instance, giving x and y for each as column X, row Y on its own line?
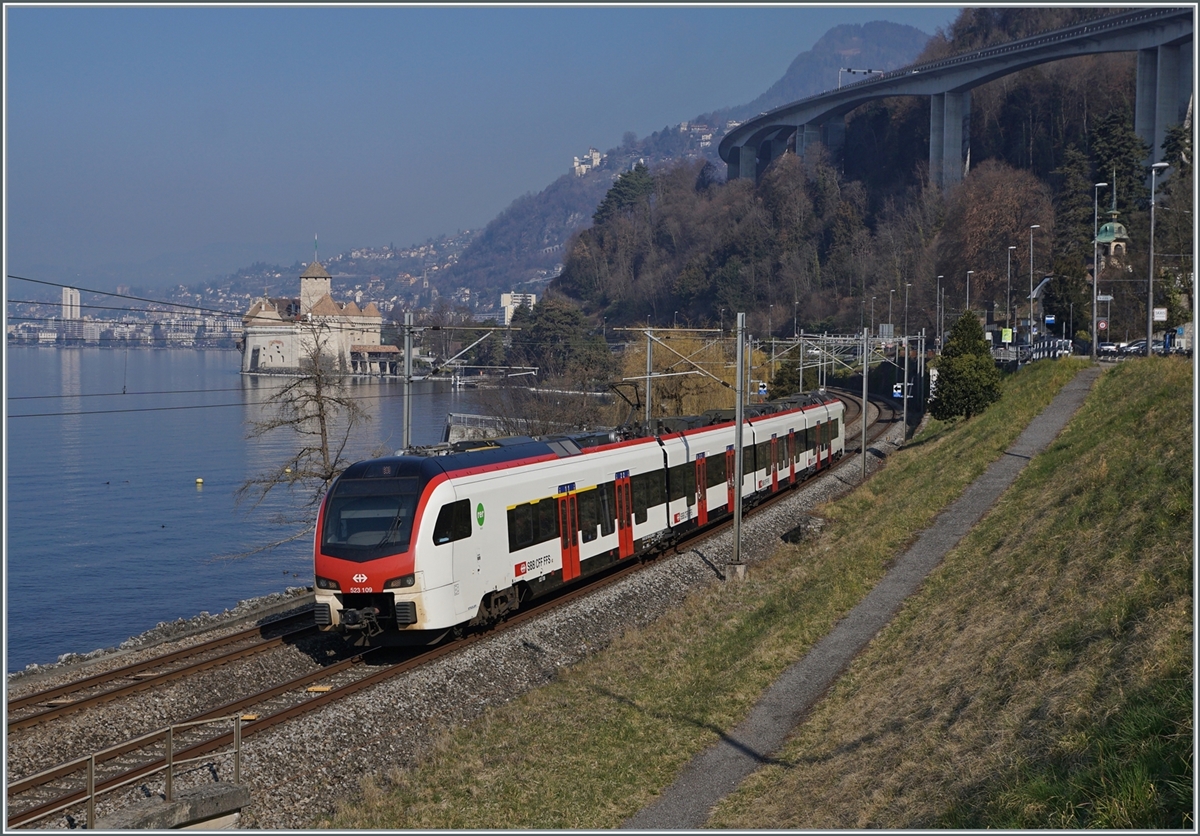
column 366, row 619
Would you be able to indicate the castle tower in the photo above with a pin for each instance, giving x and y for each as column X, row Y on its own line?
column 315, row 283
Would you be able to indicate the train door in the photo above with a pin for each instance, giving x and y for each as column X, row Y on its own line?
column 701, row 490
column 624, row 494
column 730, row 463
column 568, row 527
column 774, row 463
column 817, row 442
column 792, row 456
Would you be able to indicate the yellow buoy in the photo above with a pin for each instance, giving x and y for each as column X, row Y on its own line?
column 199, row 481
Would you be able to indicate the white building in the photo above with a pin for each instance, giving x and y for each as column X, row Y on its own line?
column 70, row 303
column 278, row 333
column 511, row 301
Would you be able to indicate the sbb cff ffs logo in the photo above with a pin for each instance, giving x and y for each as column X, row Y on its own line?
column 360, row 578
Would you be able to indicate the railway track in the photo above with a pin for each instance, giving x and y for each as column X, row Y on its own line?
column 61, row 700
column 30, row 798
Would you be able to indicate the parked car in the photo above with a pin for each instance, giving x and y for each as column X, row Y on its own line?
column 1107, row 349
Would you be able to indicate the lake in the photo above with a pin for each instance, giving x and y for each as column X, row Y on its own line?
column 107, row 531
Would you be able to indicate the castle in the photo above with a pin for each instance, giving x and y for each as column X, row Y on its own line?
column 279, row 333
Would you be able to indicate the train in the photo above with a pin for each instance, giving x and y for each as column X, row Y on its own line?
column 444, row 539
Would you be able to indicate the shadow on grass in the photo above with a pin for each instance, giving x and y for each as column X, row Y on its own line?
column 757, row 757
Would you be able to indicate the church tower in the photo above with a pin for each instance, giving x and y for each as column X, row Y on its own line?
column 1113, row 237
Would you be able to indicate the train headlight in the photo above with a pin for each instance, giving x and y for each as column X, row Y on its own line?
column 401, row 582
column 326, row 583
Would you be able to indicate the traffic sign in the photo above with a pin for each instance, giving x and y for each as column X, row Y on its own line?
column 1104, row 297
column 1101, row 324
column 1049, row 319
column 1160, row 314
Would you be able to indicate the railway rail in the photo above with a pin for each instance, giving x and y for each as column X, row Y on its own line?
column 56, row 789
column 68, row 698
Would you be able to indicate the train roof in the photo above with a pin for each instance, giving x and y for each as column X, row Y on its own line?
column 467, row 455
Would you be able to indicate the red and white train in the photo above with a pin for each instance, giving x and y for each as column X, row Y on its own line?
column 410, row 547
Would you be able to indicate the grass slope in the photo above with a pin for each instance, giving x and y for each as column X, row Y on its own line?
column 1003, row 690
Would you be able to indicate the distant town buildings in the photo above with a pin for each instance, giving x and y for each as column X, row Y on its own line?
column 278, row 333
column 591, row 160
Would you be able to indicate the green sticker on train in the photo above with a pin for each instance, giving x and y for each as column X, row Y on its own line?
column 479, row 514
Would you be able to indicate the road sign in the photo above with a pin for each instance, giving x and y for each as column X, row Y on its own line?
column 1103, row 297
column 1049, row 319
column 1102, row 325
column 1160, row 314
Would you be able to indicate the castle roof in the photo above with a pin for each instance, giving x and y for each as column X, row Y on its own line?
column 325, row 306
column 315, row 271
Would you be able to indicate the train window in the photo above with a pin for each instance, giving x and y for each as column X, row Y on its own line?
column 748, row 460
column 607, row 498
column 715, row 470
column 681, row 482
column 589, row 514
column 453, row 522
column 762, row 455
column 647, row 493
column 781, row 455
column 676, row 483
column 532, row 522
column 520, row 527
column 835, row 429
column 369, row 518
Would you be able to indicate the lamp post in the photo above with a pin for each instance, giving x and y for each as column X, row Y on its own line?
column 891, row 295
column 969, row 272
column 1008, row 299
column 1095, row 260
column 675, row 321
column 872, row 317
column 937, row 312
column 907, row 285
column 1032, row 227
column 1154, row 170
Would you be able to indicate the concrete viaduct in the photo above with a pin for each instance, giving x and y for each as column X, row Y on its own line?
column 1162, row 38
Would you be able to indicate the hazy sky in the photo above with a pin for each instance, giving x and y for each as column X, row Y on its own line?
column 133, row 132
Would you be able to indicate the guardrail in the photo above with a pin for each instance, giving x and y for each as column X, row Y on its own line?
column 88, row 763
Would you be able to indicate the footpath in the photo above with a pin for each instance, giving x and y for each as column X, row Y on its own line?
column 716, row 772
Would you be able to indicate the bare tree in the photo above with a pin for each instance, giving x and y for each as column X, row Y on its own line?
column 316, row 408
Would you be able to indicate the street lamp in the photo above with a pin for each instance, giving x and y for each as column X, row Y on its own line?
column 1154, row 170
column 1032, row 227
column 890, row 297
column 872, row 316
column 907, row 285
column 937, row 311
column 1095, row 260
column 969, row 272
column 1008, row 299
column 675, row 322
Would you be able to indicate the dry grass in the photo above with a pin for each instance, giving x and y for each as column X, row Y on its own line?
column 1006, row 692
column 1012, row 652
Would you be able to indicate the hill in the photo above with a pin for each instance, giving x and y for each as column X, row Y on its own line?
column 527, row 241
column 878, row 45
column 1041, row 678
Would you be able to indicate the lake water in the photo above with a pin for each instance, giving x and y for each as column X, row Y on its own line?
column 107, row 532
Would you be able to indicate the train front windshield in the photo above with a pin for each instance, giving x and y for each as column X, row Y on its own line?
column 369, row 518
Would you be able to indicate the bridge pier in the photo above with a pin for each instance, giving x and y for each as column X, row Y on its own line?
column 1164, row 88
column 949, row 136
